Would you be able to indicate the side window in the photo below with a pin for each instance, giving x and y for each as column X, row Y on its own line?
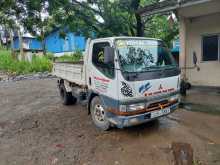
column 98, row 59
column 210, row 48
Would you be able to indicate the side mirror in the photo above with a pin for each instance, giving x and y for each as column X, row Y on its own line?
column 109, row 55
column 194, row 58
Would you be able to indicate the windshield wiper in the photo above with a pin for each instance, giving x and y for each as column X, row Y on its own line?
column 152, row 68
column 159, row 68
column 169, row 67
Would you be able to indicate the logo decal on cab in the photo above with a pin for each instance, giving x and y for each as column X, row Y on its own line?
column 126, row 90
column 144, row 88
column 160, row 87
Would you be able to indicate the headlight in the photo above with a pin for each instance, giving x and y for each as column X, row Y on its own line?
column 173, row 98
column 123, row 108
column 132, row 107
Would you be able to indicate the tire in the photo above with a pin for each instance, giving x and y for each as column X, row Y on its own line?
column 98, row 114
column 66, row 97
column 183, row 88
column 188, row 85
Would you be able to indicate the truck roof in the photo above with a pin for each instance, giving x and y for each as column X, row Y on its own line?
column 125, row 37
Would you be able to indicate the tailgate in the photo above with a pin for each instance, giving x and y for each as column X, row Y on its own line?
column 72, row 72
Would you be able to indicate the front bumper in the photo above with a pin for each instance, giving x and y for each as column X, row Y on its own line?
column 126, row 121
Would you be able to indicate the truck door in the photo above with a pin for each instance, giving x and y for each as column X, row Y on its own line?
column 103, row 78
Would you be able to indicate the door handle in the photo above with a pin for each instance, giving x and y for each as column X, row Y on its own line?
column 90, row 81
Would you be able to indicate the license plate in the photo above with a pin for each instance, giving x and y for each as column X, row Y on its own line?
column 160, row 113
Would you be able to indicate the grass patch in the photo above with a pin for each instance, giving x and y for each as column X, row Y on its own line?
column 38, row 64
column 15, row 67
column 70, row 58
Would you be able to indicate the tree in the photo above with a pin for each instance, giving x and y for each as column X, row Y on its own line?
column 104, row 17
column 37, row 22
column 131, row 6
column 6, row 21
column 12, row 12
column 159, row 27
column 107, row 18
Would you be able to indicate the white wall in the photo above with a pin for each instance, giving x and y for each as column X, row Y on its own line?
column 209, row 74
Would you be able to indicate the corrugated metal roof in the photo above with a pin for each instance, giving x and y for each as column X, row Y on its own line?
column 28, row 35
column 167, row 5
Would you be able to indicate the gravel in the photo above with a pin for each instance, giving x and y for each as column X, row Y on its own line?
column 35, row 129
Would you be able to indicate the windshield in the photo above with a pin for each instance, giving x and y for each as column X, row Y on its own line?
column 140, row 55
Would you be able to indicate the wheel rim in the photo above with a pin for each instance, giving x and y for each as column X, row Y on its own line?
column 99, row 113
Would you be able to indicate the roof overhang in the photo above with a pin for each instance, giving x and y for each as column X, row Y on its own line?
column 167, row 6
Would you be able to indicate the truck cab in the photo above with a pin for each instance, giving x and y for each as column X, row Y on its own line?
column 127, row 81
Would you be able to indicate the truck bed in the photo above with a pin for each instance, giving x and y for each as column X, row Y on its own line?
column 70, row 71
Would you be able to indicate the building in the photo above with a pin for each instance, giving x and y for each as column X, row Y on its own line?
column 30, row 43
column 199, row 35
column 58, row 45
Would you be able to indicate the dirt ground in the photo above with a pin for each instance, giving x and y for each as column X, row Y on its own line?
column 35, row 128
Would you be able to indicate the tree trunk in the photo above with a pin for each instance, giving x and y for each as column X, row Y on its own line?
column 6, row 37
column 139, row 26
column 44, row 47
column 12, row 44
column 21, row 45
column 43, row 42
column 1, row 43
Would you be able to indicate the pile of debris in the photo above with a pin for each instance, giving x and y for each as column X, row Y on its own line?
column 12, row 78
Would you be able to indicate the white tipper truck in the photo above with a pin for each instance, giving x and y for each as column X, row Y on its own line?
column 124, row 81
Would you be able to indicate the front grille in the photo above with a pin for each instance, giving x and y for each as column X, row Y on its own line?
column 160, row 105
column 157, row 104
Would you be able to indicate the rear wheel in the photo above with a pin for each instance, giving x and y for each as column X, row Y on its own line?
column 98, row 114
column 66, row 97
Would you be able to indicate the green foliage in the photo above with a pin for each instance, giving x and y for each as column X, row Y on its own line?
column 12, row 66
column 107, row 18
column 159, row 27
column 70, row 58
column 110, row 18
column 102, row 18
column 50, row 56
column 2, row 47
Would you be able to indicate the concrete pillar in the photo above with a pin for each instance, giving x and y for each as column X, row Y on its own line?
column 183, row 40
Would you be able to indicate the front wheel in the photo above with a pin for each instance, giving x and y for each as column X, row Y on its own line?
column 98, row 114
